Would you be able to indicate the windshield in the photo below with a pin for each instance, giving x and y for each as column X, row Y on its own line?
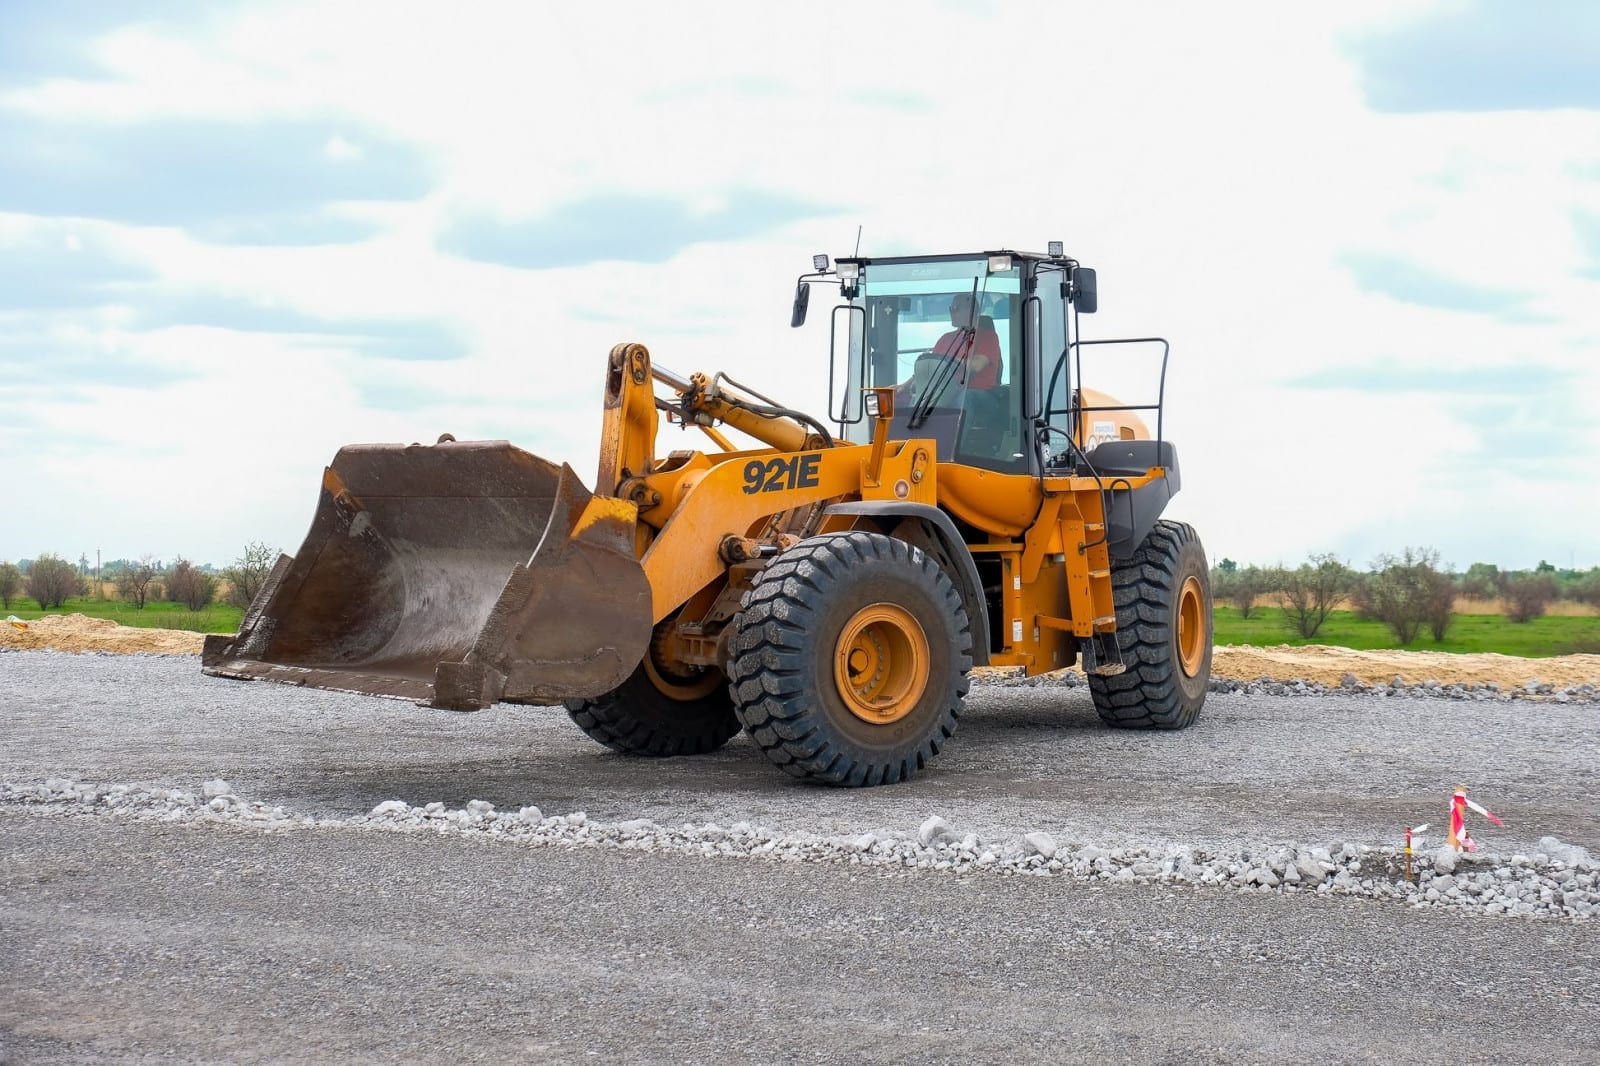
column 949, row 336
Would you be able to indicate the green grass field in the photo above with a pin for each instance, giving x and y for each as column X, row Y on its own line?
column 218, row 618
column 1541, row 637
column 1551, row 635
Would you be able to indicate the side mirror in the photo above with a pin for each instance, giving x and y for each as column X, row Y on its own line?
column 1083, row 288
column 802, row 300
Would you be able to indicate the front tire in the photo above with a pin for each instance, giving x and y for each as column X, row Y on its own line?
column 639, row 718
column 850, row 660
column 1164, row 632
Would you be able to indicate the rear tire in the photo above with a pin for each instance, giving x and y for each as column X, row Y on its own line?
column 637, row 718
column 850, row 660
column 1164, row 631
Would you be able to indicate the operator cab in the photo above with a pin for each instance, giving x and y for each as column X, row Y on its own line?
column 972, row 344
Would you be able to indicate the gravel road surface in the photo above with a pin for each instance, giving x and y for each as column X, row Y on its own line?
column 1253, row 770
column 136, row 941
column 132, row 939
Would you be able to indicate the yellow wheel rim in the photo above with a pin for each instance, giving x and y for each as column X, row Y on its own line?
column 880, row 665
column 685, row 690
column 1191, row 627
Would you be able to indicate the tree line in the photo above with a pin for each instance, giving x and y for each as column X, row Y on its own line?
column 1409, row 593
column 51, row 580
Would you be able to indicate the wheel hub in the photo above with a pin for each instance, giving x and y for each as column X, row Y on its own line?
column 880, row 663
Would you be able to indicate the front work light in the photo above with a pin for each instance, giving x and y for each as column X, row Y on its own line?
column 1056, row 249
column 870, row 403
column 849, row 271
column 819, row 263
column 999, row 264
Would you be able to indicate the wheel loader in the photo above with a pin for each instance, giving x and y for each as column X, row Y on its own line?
column 965, row 501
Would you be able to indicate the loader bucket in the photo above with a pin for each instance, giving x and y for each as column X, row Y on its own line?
column 456, row 574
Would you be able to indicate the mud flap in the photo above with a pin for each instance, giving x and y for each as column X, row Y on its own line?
column 457, row 574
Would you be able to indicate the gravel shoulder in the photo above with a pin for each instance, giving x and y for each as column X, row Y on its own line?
column 129, row 942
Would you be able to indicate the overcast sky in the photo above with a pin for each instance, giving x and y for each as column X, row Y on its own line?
column 234, row 237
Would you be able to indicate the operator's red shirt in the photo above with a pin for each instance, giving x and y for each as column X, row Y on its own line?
column 984, row 343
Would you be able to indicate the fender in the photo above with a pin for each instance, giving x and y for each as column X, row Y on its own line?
column 952, row 555
column 1131, row 514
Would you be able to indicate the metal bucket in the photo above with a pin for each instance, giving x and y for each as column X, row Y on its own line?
column 457, row 574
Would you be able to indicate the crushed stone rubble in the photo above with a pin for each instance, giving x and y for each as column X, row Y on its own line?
column 1350, row 685
column 1557, row 880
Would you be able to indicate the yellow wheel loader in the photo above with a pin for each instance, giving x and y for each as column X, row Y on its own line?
column 964, row 501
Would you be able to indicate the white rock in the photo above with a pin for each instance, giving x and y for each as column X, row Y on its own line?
column 218, row 804
column 863, row 842
column 530, row 814
column 388, row 807
column 1042, row 844
column 216, row 787
column 1313, row 870
column 1445, row 859
column 934, row 831
column 577, row 818
column 1443, row 884
column 635, row 825
column 1571, row 854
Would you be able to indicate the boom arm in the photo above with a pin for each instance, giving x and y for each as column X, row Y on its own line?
column 628, row 437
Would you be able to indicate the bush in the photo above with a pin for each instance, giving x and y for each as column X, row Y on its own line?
column 192, row 587
column 1409, row 591
column 1527, row 595
column 1481, row 581
column 51, row 579
column 1308, row 594
column 10, row 584
column 1586, row 588
column 248, row 573
column 1241, row 587
column 133, row 582
column 1250, row 585
column 1441, row 608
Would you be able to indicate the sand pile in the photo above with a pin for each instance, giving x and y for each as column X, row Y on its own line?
column 76, row 632
column 1243, row 662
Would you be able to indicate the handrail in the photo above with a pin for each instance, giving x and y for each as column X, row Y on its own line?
column 1161, row 389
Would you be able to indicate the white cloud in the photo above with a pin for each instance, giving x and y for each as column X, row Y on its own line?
column 1217, row 167
column 338, row 148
